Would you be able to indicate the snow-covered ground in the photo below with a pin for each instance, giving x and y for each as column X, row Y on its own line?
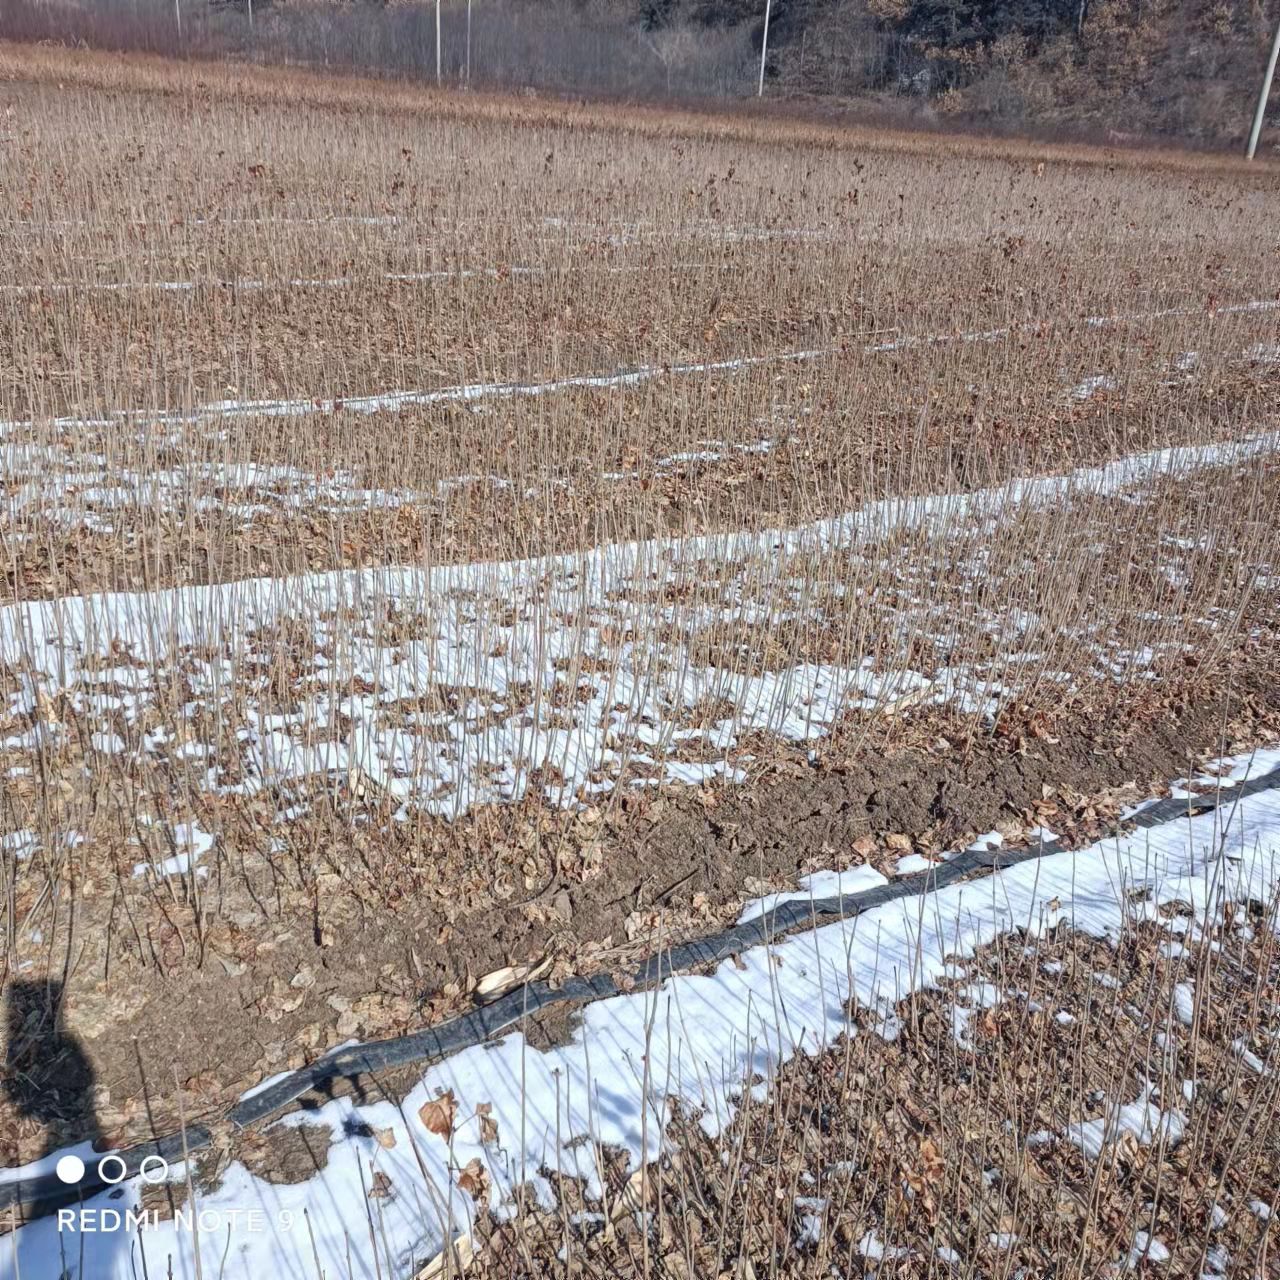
column 522, row 1112
column 75, row 488
column 568, row 669
column 70, row 483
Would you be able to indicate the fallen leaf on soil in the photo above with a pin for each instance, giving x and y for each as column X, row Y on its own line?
column 437, row 1115
column 899, row 842
column 931, row 1162
column 494, row 984
column 864, row 846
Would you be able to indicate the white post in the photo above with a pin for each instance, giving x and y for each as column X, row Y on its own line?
column 764, row 46
column 1263, row 96
column 177, row 8
column 437, row 42
column 468, row 43
column 250, row 15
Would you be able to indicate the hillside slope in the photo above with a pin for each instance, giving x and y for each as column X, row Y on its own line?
column 1111, row 69
column 1189, row 68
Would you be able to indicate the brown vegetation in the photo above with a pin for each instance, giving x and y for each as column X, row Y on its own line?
column 960, row 1145
column 496, row 365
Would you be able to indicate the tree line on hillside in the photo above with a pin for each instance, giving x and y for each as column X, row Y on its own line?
column 1182, row 67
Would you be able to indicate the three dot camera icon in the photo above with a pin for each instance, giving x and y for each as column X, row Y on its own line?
column 112, row 1169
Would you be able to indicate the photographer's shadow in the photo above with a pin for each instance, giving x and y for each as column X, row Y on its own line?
column 49, row 1079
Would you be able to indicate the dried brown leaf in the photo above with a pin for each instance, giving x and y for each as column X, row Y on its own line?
column 438, row 1114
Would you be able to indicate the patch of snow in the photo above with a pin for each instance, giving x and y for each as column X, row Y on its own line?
column 874, row 1250
column 1184, row 1003
column 191, row 844
column 1231, row 770
column 1218, row 1260
column 1147, row 1125
column 822, row 884
column 992, row 840
column 690, row 1043
column 1246, row 1055
column 1146, row 1248
column 1090, row 386
column 912, row 863
column 22, row 844
column 809, row 1220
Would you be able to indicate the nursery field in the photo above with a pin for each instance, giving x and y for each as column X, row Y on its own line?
column 450, row 541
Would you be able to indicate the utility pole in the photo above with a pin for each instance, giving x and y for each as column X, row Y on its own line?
column 437, row 44
column 1264, row 95
column 764, row 46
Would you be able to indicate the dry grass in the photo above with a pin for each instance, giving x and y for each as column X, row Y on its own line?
column 747, row 121
column 984, row 1135
column 810, row 323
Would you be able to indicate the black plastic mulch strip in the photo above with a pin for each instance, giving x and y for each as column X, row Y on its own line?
column 42, row 1195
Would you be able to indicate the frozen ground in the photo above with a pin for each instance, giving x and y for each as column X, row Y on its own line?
column 473, row 683
column 521, row 1112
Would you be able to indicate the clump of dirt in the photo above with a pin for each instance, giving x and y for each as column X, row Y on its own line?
column 286, row 1154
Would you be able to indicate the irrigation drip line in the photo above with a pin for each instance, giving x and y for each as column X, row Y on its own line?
column 42, row 1195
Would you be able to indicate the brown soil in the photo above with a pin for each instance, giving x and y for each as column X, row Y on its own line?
column 678, row 863
column 293, row 1152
